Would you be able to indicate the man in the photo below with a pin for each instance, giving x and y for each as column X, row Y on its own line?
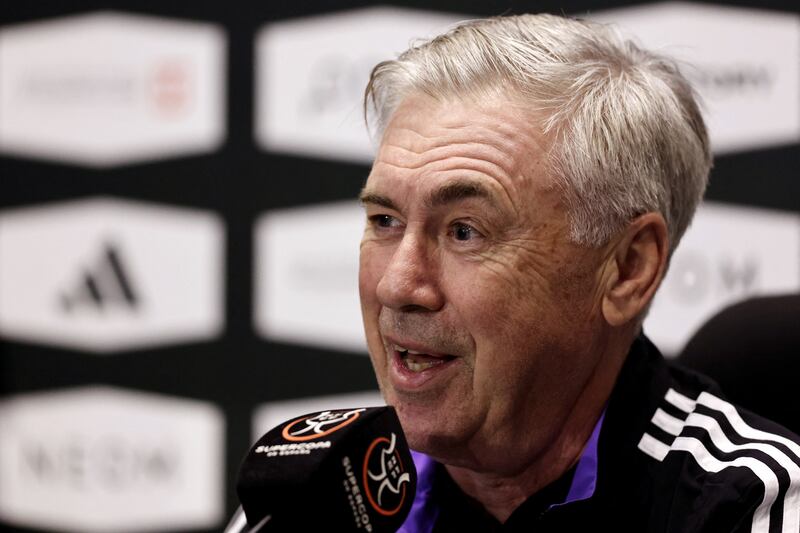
column 533, row 177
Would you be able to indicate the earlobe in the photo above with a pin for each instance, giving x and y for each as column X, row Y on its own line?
column 638, row 259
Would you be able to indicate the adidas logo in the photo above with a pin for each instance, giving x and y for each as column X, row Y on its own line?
column 108, row 274
column 105, row 285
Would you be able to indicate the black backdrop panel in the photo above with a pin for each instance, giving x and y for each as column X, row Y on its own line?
column 238, row 369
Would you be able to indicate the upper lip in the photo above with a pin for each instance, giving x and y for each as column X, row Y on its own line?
column 412, row 346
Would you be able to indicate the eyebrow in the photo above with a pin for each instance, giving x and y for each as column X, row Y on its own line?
column 456, row 191
column 367, row 197
column 450, row 193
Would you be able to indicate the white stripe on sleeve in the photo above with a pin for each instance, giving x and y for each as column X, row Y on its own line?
column 684, row 403
column 741, row 427
column 667, row 422
column 653, row 447
column 710, row 463
column 791, row 504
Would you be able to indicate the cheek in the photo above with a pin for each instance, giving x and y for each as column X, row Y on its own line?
column 370, row 270
column 369, row 274
column 484, row 306
column 516, row 323
column 495, row 299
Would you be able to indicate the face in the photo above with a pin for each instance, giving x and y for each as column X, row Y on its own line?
column 481, row 317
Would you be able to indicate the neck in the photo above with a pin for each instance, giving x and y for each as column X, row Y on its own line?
column 501, row 494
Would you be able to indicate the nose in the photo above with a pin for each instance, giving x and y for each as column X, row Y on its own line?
column 410, row 280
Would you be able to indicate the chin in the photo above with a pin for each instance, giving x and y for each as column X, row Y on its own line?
column 427, row 434
column 417, row 427
column 433, row 445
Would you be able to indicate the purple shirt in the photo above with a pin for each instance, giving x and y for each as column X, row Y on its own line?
column 424, row 511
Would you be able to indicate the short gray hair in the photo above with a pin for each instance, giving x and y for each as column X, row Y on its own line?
column 628, row 136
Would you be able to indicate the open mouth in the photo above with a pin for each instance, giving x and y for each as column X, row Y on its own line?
column 417, row 362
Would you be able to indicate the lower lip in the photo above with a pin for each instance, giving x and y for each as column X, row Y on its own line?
column 405, row 379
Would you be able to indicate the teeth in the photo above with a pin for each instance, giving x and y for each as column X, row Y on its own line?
column 412, row 363
column 406, row 350
column 415, row 366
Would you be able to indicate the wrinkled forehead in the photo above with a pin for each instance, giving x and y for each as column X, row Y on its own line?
column 497, row 136
column 445, row 150
column 421, row 122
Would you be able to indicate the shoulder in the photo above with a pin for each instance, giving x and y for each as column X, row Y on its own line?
column 722, row 468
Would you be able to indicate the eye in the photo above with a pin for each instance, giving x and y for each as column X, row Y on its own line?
column 463, row 232
column 384, row 221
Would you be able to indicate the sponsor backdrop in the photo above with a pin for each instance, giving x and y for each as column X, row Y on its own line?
column 179, row 236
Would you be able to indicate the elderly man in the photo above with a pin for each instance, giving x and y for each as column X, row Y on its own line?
column 533, row 177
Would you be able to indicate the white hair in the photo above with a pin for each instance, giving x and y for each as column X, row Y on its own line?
column 628, row 137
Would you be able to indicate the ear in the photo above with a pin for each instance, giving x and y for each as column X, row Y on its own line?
column 636, row 265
